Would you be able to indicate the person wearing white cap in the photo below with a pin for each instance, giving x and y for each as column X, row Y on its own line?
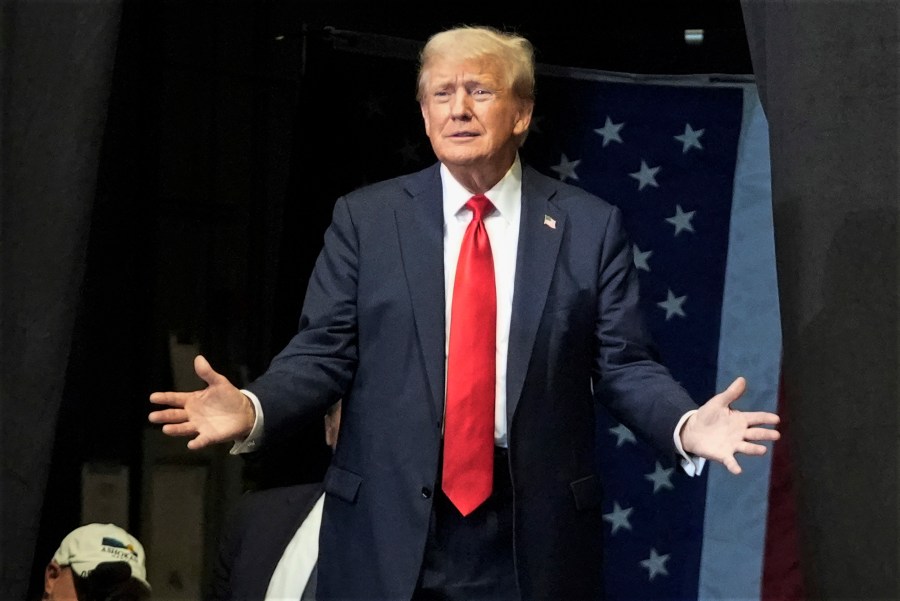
column 97, row 562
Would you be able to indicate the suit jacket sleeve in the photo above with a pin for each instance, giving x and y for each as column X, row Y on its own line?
column 631, row 382
column 314, row 370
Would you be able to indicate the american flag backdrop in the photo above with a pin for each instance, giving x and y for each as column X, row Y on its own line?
column 686, row 159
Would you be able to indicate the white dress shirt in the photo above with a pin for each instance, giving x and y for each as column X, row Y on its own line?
column 299, row 557
column 502, row 225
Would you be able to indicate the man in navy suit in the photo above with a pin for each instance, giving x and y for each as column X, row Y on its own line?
column 376, row 330
column 269, row 547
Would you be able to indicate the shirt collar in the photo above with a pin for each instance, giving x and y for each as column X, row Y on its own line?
column 505, row 195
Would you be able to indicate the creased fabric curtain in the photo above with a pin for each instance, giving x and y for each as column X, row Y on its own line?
column 828, row 79
column 57, row 61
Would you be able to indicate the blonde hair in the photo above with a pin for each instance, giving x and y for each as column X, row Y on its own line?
column 469, row 42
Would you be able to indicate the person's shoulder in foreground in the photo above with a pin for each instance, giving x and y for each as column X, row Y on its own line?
column 97, row 562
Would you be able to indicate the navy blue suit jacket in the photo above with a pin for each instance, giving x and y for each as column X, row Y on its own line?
column 258, row 529
column 372, row 332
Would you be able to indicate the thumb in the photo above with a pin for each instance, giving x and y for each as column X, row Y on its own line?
column 204, row 369
column 732, row 393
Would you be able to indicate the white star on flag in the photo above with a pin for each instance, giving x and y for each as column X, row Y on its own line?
column 656, row 564
column 610, row 132
column 618, row 517
column 409, row 152
column 690, row 138
column 640, row 258
column 623, row 435
column 566, row 168
column 646, row 176
column 661, row 477
column 681, row 220
column 673, row 305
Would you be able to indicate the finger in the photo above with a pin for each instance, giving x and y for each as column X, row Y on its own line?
column 732, row 465
column 198, row 442
column 761, row 434
column 175, row 399
column 762, row 418
column 749, row 448
column 183, row 429
column 168, row 416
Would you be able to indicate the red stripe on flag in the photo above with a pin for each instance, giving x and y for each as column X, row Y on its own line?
column 782, row 575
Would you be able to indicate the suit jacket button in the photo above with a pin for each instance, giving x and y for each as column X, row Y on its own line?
column 426, row 492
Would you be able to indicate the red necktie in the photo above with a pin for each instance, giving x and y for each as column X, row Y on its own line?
column 468, row 468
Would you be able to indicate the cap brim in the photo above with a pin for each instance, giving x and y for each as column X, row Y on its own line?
column 138, row 585
column 143, row 585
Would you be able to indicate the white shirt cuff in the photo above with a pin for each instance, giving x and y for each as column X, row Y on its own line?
column 691, row 464
column 254, row 439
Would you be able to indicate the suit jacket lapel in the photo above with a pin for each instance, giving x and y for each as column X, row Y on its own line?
column 541, row 231
column 420, row 223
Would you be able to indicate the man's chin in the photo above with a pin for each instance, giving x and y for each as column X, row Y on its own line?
column 462, row 159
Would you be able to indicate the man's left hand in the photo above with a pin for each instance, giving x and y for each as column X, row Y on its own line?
column 718, row 432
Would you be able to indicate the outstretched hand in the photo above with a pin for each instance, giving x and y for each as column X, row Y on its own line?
column 718, row 432
column 218, row 413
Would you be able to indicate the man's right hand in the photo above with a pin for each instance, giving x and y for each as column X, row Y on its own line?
column 218, row 413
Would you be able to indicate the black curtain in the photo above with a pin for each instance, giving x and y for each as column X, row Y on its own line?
column 56, row 72
column 828, row 75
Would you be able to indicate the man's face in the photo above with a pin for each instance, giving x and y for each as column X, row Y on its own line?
column 471, row 117
column 59, row 583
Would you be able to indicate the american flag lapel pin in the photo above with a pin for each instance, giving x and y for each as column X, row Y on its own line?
column 550, row 222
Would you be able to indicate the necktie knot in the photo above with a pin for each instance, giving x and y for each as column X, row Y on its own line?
column 480, row 206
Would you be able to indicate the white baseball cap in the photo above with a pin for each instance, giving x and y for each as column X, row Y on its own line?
column 86, row 547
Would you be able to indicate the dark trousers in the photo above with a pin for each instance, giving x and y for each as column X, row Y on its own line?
column 471, row 558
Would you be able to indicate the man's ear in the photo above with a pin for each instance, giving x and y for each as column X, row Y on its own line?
column 523, row 122
column 424, row 110
column 51, row 574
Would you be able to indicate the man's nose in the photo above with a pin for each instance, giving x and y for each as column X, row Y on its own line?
column 461, row 105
